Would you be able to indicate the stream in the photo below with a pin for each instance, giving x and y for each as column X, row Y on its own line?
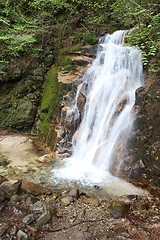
column 24, row 158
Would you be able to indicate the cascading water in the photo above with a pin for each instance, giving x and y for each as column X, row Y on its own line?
column 111, row 82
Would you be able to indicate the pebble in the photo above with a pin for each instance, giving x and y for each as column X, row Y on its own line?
column 74, row 193
column 119, row 209
column 21, row 235
column 28, row 219
column 66, row 200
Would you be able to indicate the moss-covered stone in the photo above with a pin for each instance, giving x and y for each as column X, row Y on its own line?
column 18, row 103
column 21, row 116
column 50, row 107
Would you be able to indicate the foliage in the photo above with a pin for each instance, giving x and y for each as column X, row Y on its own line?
column 24, row 25
column 88, row 37
column 143, row 17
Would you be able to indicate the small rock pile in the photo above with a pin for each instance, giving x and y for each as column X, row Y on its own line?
column 32, row 211
column 22, row 210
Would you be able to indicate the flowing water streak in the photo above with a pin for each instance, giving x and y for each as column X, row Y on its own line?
column 111, row 81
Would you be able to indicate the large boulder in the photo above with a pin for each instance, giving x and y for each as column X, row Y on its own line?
column 145, row 144
column 18, row 106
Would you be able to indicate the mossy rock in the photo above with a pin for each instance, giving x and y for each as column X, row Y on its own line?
column 18, row 103
column 50, row 107
column 21, row 116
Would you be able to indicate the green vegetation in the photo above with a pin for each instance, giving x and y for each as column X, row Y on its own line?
column 52, row 94
column 25, row 24
column 143, row 18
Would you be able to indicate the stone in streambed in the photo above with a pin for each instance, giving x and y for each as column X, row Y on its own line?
column 46, row 158
column 90, row 200
column 66, row 200
column 35, row 189
column 10, row 187
column 119, row 209
column 74, row 192
column 21, row 235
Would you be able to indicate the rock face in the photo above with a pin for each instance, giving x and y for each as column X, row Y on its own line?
column 144, row 145
column 58, row 118
column 18, row 106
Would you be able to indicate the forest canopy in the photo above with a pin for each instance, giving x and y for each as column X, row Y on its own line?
column 24, row 23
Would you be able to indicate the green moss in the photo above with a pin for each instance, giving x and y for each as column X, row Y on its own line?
column 70, row 49
column 63, row 60
column 88, row 37
column 50, row 106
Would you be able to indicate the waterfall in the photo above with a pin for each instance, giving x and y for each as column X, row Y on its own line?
column 111, row 80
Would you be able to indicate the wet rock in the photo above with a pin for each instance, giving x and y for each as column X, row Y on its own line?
column 67, row 77
column 21, row 235
column 81, row 60
column 35, row 189
column 28, row 219
column 46, row 158
column 144, row 144
column 81, row 102
column 74, row 193
column 135, row 173
column 10, row 187
column 119, row 209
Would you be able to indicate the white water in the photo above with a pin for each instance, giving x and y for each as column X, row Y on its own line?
column 112, row 80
